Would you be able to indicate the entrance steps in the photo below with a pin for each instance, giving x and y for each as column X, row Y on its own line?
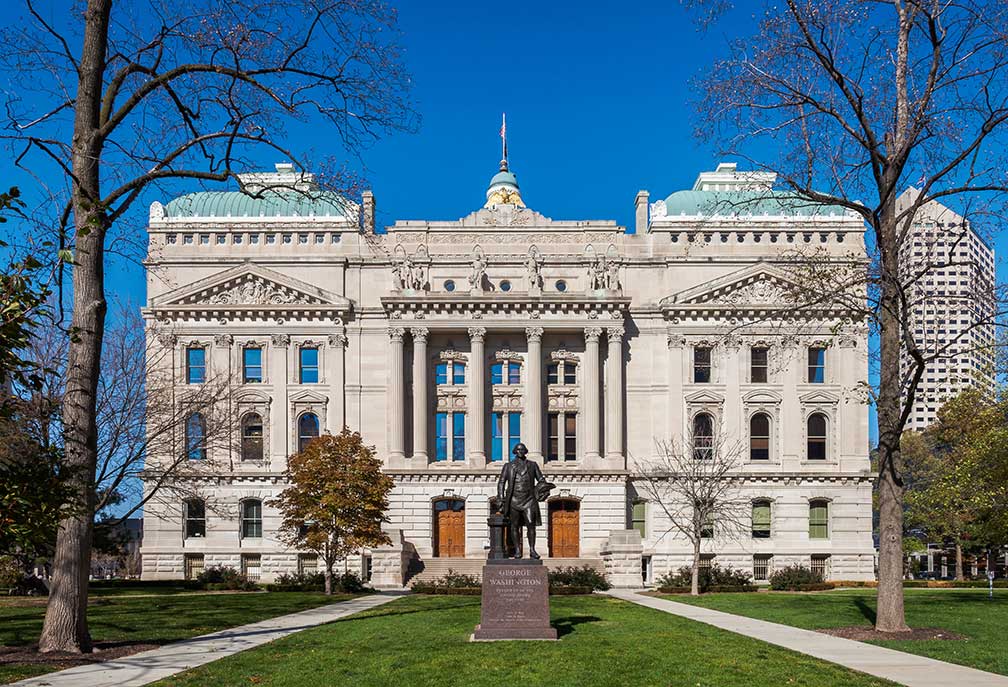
column 430, row 569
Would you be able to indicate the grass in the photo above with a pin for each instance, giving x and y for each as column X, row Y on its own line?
column 423, row 640
column 156, row 617
column 965, row 611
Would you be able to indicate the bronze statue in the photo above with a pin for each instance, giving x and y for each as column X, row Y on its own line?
column 519, row 490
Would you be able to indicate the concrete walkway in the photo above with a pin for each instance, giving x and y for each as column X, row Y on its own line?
column 898, row 666
column 150, row 666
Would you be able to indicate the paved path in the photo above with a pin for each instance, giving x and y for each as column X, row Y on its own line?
column 898, row 666
column 150, row 666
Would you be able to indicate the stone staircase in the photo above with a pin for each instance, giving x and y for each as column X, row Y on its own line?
column 431, row 569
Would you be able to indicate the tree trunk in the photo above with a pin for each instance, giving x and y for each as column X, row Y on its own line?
column 695, row 578
column 890, row 616
column 65, row 627
column 328, row 578
column 959, row 562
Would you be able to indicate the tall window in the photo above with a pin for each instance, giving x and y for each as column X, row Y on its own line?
column 450, row 372
column 701, row 364
column 195, row 365
column 505, row 433
column 449, row 437
column 562, row 430
column 759, row 437
column 308, row 430
column 761, row 520
column 252, row 365
column 308, row 365
column 816, row 365
column 251, row 519
column 816, row 425
column 758, row 364
column 252, row 437
column 194, row 515
column 818, row 520
column 505, row 372
column 195, row 437
column 707, row 527
column 703, row 436
column 638, row 517
column 562, row 372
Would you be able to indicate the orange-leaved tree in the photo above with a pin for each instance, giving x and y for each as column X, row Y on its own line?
column 336, row 500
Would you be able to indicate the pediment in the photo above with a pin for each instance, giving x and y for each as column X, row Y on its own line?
column 252, row 397
column 759, row 285
column 250, row 285
column 308, row 397
column 704, row 396
column 762, row 396
column 819, row 397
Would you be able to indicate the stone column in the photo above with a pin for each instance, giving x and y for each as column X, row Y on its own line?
column 419, row 394
column 396, row 397
column 614, row 395
column 477, row 410
column 532, row 432
column 337, row 382
column 590, row 396
column 278, row 376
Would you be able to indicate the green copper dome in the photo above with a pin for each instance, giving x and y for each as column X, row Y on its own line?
column 746, row 203
column 506, row 177
column 267, row 203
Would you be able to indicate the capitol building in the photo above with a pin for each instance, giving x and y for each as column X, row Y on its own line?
column 444, row 343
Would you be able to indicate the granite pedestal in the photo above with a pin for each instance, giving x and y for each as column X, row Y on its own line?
column 515, row 601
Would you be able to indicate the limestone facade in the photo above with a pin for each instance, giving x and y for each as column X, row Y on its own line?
column 444, row 342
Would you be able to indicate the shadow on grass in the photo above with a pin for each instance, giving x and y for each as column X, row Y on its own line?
column 867, row 611
column 565, row 626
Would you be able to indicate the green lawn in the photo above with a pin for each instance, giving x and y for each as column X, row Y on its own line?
column 423, row 640
column 965, row 611
column 155, row 618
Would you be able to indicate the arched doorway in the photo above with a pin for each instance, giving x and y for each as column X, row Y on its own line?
column 449, row 528
column 564, row 528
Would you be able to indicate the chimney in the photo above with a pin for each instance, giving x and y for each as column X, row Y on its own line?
column 641, row 212
column 369, row 212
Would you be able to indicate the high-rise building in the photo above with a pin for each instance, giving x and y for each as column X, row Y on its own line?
column 948, row 271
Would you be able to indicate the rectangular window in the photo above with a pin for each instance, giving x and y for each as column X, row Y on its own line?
column 251, row 566
column 514, row 372
column 758, row 363
column 701, row 365
column 707, row 529
column 308, row 366
column 458, row 373
column 570, row 436
column 193, row 565
column 458, row 436
column 497, row 436
column 553, row 431
column 195, row 365
column 307, row 563
column 252, row 365
column 569, row 372
column 818, row 520
column 514, row 431
column 195, row 518
column 441, row 373
column 638, row 518
column 706, row 561
column 505, row 433
column 761, row 520
column 820, row 564
column 562, row 432
column 553, row 373
column 497, row 373
column 441, row 436
column 761, row 566
column 251, row 522
column 816, row 365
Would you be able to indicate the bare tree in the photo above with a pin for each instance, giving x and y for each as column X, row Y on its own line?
column 859, row 100
column 698, row 488
column 139, row 94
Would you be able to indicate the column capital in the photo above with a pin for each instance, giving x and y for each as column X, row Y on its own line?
column 281, row 340
column 477, row 333
column 396, row 334
column 592, row 334
column 419, row 333
column 534, row 333
column 614, row 333
column 338, row 340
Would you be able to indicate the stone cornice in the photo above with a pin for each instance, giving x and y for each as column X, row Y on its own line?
column 505, row 306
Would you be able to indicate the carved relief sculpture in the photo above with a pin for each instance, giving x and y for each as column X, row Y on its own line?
column 478, row 273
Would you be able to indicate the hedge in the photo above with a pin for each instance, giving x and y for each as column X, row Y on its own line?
column 426, row 588
column 811, row 587
column 714, row 588
column 952, row 584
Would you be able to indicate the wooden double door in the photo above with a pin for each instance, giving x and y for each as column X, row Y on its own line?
column 564, row 528
column 449, row 528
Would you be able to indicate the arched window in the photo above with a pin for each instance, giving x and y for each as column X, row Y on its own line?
column 194, row 516
column 308, row 430
column 251, row 518
column 195, row 437
column 703, row 436
column 818, row 519
column 759, row 437
column 252, row 437
column 816, row 436
column 761, row 519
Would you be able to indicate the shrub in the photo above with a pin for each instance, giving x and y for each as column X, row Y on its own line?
column 223, row 577
column 794, row 577
column 450, row 583
column 710, row 590
column 10, row 572
column 585, row 577
column 714, row 578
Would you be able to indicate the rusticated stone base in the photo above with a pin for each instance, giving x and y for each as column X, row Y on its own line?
column 515, row 602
